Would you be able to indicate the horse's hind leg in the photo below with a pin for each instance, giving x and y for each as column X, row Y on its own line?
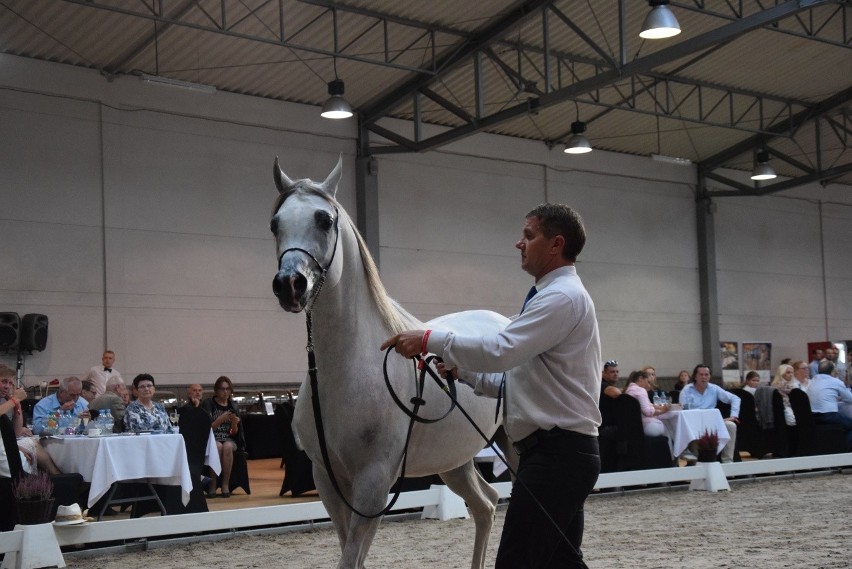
column 481, row 500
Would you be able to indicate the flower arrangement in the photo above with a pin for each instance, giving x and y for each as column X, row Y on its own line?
column 708, row 440
column 33, row 488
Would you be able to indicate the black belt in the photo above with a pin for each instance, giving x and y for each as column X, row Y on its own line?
column 527, row 443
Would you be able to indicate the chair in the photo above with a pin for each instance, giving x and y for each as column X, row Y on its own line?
column 782, row 437
column 813, row 438
column 635, row 450
column 298, row 471
column 749, row 432
column 674, row 394
column 66, row 487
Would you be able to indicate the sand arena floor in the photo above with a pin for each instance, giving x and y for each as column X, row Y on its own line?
column 804, row 522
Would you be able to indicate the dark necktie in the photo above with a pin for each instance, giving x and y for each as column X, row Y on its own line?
column 501, row 395
column 108, row 369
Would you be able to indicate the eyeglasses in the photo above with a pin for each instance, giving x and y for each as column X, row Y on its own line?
column 145, row 386
column 611, row 363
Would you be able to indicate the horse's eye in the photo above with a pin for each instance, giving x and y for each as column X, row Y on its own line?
column 323, row 220
column 273, row 226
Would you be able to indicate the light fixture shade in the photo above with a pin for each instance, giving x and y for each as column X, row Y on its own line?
column 578, row 143
column 763, row 171
column 336, row 106
column 659, row 23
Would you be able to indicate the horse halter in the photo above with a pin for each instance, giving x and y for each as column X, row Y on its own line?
column 323, row 270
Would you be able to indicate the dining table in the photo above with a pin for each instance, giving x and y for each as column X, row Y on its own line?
column 108, row 459
column 685, row 425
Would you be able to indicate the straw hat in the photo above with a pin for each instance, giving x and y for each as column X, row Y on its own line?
column 69, row 515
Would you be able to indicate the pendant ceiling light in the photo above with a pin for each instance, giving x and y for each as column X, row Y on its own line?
column 660, row 22
column 763, row 171
column 336, row 106
column 578, row 143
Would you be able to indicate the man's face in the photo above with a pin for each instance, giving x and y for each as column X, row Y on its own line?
column 107, row 359
column 7, row 386
column 124, row 393
column 801, row 371
column 818, row 355
column 831, row 354
column 537, row 251
column 702, row 378
column 610, row 374
column 194, row 391
column 753, row 381
column 75, row 389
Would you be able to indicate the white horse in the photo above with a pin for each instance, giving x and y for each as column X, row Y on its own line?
column 319, row 248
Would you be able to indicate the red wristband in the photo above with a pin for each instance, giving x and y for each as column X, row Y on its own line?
column 423, row 349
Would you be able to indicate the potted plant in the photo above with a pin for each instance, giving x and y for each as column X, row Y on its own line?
column 707, row 444
column 33, row 498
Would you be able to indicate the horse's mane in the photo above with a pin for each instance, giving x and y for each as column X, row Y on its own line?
column 394, row 316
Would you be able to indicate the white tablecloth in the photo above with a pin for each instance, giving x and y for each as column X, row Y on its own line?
column 498, row 467
column 211, row 455
column 104, row 460
column 685, row 426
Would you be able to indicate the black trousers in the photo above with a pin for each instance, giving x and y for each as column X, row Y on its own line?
column 555, row 475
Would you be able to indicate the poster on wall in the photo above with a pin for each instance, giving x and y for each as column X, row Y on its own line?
column 730, row 362
column 757, row 356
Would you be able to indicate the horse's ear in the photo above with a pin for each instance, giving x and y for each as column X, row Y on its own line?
column 281, row 180
column 330, row 184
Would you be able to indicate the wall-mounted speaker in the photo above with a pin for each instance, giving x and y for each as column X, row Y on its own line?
column 10, row 331
column 33, row 333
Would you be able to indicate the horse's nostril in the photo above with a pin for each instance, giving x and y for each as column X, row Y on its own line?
column 300, row 284
column 276, row 285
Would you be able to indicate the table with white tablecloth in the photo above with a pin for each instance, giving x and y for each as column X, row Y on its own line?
column 102, row 461
column 684, row 426
column 211, row 455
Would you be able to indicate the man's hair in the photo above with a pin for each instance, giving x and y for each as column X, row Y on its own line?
column 63, row 384
column 825, row 367
column 113, row 381
column 6, row 372
column 109, row 352
column 752, row 374
column 559, row 219
column 695, row 371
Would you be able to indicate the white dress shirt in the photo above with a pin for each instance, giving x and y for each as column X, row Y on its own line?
column 551, row 354
column 99, row 377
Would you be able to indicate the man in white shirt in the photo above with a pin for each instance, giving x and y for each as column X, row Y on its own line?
column 824, row 392
column 701, row 394
column 551, row 356
column 99, row 375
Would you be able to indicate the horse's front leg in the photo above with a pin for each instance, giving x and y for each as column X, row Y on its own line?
column 338, row 511
column 369, row 496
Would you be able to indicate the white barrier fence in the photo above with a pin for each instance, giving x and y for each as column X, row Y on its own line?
column 437, row 503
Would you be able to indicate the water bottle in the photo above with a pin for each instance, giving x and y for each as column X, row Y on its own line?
column 656, row 399
column 109, row 422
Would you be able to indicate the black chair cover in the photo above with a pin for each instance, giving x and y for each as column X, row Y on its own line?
column 298, row 470
column 635, row 450
column 814, row 439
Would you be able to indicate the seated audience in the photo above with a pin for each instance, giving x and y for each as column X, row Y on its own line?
column 682, row 380
column 751, row 382
column 638, row 385
column 652, row 378
column 801, row 372
column 67, row 398
column 145, row 414
column 701, row 394
column 825, row 392
column 115, row 398
column 226, row 420
column 194, row 395
column 90, row 392
column 785, row 382
column 609, row 392
column 33, row 454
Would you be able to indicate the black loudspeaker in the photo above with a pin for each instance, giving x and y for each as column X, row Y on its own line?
column 33, row 333
column 10, row 331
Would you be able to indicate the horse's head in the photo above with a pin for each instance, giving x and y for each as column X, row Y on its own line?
column 306, row 230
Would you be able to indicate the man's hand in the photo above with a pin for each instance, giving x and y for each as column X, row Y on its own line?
column 442, row 370
column 196, row 401
column 19, row 394
column 408, row 343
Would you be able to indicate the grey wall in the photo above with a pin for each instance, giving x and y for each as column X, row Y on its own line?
column 136, row 217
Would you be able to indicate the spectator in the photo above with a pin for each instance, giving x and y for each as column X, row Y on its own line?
column 824, row 392
column 832, row 354
column 145, row 414
column 102, row 373
column 817, row 355
column 751, row 382
column 682, row 380
column 701, row 394
column 226, row 422
column 89, row 391
column 115, row 399
column 652, row 378
column 609, row 392
column 32, row 453
column 785, row 382
column 638, row 385
column 67, row 398
column 801, row 373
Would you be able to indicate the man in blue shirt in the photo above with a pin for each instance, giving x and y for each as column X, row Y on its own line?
column 825, row 391
column 66, row 399
column 701, row 394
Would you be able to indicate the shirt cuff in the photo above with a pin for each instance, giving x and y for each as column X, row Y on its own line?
column 437, row 341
